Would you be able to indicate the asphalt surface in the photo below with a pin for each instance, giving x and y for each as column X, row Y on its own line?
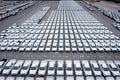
column 23, row 15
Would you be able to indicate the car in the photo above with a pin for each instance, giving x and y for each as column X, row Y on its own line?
column 2, row 64
column 80, row 47
column 48, row 47
column 86, row 68
column 77, row 68
column 34, row 67
column 35, row 47
column 10, row 46
column 87, row 47
column 29, row 47
column 29, row 78
column 25, row 68
column 43, row 68
column 95, row 68
column 110, row 78
column 113, row 47
column 90, row 78
column 16, row 46
column 79, row 78
column 10, row 78
column 8, row 67
column 17, row 67
column 74, row 47
column 69, row 78
column 69, row 68
column 51, row 67
column 61, row 47
column 19, row 78
column 113, row 68
column 39, row 78
column 54, row 46
column 3, row 46
column 100, row 78
column 2, row 77
column 50, row 77
column 60, row 67
column 67, row 47
column 106, row 47
column 93, row 47
column 99, row 47
column 59, row 78
column 104, row 68
column 41, row 47
column 22, row 46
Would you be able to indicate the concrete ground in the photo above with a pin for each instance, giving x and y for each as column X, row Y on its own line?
column 23, row 15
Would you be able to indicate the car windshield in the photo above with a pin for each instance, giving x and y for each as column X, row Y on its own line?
column 42, row 68
column 78, row 68
column 60, row 68
column 87, row 69
column 105, row 69
column 51, row 68
column 7, row 67
column 33, row 68
column 16, row 67
column 69, row 68
column 24, row 67
column 96, row 69
column 115, row 69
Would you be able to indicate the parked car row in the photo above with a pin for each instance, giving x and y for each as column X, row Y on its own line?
column 14, row 9
column 59, row 78
column 87, row 5
column 60, row 67
column 116, row 25
column 112, row 14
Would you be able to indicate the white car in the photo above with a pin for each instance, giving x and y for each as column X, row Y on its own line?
column 25, row 67
column 77, row 68
column 51, row 67
column 95, row 68
column 79, row 78
column 2, row 77
column 87, row 47
column 60, row 67
column 113, row 68
column 100, row 78
column 43, row 68
column 59, row 77
column 74, row 47
column 19, row 78
column 17, row 67
column 8, row 67
column 54, row 47
column 110, row 78
column 35, row 47
column 61, row 47
column 99, row 47
column 86, row 68
column 2, row 63
column 104, row 68
column 34, row 67
column 69, row 68
column 50, row 78
column 90, row 78
column 80, row 47
column 69, row 78
column 67, row 47
column 29, row 78
column 10, row 78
